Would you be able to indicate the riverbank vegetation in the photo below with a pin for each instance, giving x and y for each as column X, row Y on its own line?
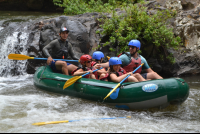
column 136, row 23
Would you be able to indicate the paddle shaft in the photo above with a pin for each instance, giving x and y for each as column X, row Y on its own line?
column 55, row 59
column 132, row 72
column 92, row 71
column 66, row 121
column 121, row 82
column 25, row 57
column 74, row 79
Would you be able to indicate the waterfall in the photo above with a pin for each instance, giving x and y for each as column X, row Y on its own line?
column 13, row 40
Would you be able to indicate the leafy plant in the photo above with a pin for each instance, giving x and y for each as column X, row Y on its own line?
column 73, row 7
column 137, row 24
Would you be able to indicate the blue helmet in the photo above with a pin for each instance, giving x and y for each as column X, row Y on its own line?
column 135, row 43
column 114, row 61
column 97, row 55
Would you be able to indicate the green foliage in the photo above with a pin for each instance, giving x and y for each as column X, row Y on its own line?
column 73, row 7
column 137, row 24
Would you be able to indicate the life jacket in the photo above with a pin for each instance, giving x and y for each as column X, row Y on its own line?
column 105, row 77
column 93, row 63
column 121, row 72
column 63, row 52
column 84, row 69
column 96, row 74
column 125, row 58
column 133, row 65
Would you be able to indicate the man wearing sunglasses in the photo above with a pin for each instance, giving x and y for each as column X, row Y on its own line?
column 131, row 60
column 60, row 49
column 136, row 60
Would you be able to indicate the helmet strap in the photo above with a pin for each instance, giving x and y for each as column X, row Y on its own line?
column 134, row 53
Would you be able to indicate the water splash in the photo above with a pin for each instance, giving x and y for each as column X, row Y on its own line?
column 13, row 43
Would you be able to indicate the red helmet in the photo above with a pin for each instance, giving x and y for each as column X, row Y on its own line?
column 85, row 58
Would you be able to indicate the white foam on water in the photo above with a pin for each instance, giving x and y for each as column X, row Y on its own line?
column 15, row 82
column 9, row 46
column 1, row 28
column 17, row 113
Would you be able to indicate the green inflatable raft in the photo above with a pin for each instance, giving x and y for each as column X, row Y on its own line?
column 141, row 95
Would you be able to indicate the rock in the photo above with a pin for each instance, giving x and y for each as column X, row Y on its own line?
column 189, row 4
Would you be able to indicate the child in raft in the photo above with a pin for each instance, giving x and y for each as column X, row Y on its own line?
column 117, row 73
column 85, row 61
column 97, row 58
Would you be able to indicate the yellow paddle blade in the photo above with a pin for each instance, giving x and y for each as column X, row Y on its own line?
column 112, row 91
column 71, row 81
column 50, row 122
column 19, row 57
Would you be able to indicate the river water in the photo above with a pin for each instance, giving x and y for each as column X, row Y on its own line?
column 22, row 103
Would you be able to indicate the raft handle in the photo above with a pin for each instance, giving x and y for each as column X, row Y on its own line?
column 183, row 82
column 42, row 74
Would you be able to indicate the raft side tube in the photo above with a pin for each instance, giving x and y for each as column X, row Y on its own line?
column 140, row 95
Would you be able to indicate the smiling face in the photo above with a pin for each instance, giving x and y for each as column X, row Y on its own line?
column 88, row 63
column 116, row 67
column 64, row 35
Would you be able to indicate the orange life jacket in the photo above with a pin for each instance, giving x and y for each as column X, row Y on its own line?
column 133, row 65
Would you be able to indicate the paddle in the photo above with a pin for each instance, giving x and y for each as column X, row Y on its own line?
column 74, row 79
column 25, row 57
column 114, row 95
column 66, row 121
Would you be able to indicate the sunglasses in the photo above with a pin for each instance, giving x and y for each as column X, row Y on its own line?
column 88, row 61
column 132, row 47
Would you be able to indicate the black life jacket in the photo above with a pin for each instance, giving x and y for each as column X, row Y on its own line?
column 63, row 52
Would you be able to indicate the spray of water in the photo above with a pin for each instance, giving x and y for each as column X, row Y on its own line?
column 13, row 43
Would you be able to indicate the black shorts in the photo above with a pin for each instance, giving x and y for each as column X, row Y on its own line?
column 144, row 75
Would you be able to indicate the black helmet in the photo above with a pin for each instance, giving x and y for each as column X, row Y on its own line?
column 64, row 29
